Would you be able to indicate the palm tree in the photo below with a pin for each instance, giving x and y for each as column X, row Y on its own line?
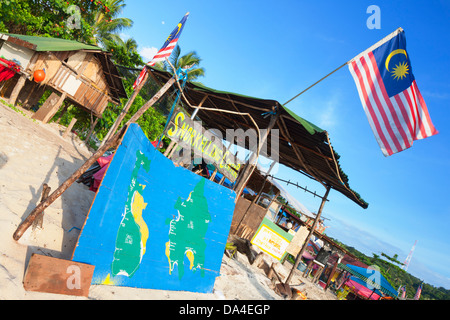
column 124, row 53
column 189, row 59
column 106, row 25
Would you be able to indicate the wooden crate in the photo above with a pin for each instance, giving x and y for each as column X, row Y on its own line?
column 52, row 275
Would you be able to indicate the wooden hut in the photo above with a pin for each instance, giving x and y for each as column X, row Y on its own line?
column 84, row 75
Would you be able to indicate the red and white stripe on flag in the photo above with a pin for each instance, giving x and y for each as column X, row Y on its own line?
column 161, row 55
column 165, row 51
column 396, row 121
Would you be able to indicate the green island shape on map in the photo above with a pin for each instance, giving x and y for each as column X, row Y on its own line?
column 133, row 232
column 187, row 232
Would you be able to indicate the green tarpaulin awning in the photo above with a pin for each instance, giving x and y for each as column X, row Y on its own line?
column 303, row 146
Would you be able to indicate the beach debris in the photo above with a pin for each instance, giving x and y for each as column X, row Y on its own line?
column 243, row 246
column 298, row 295
column 38, row 223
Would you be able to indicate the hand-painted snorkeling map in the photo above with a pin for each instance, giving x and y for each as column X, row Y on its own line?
column 153, row 225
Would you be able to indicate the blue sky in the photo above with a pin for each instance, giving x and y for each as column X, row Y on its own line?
column 275, row 49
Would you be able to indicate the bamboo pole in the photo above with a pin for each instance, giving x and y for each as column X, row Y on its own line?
column 91, row 131
column 333, row 271
column 257, row 195
column 111, row 143
column 253, row 161
column 315, row 83
column 376, row 45
column 299, row 256
column 152, row 101
column 125, row 109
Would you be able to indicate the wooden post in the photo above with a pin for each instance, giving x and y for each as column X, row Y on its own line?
column 69, row 128
column 253, row 159
column 63, row 112
column 15, row 93
column 256, row 197
column 172, row 143
column 40, row 218
column 111, row 143
column 66, row 184
column 299, row 256
column 50, row 107
column 273, row 199
column 125, row 109
column 152, row 101
column 86, row 141
column 333, row 271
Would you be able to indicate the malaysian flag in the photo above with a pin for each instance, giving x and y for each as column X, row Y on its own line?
column 396, row 110
column 402, row 292
column 166, row 49
column 419, row 292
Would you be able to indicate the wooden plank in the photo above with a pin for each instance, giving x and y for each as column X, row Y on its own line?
column 40, row 219
column 52, row 275
column 50, row 107
column 21, row 43
column 69, row 128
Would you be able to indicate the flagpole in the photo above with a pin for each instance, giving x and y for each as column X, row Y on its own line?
column 125, row 109
column 379, row 43
column 316, row 83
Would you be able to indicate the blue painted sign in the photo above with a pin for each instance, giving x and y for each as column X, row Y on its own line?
column 153, row 225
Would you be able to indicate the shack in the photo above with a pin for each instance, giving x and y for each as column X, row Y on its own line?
column 302, row 146
column 81, row 74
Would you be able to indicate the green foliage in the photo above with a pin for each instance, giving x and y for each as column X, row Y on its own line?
column 125, row 53
column 191, row 59
column 50, row 18
column 392, row 259
column 107, row 23
column 99, row 23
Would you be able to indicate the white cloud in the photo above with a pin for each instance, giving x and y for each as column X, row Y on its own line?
column 148, row 53
column 124, row 36
column 328, row 117
column 163, row 22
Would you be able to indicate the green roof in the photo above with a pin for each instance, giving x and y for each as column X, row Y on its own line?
column 54, row 44
column 303, row 146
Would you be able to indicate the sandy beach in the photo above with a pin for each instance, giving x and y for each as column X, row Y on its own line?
column 33, row 153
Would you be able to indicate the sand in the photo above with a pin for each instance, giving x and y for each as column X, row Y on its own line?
column 33, row 153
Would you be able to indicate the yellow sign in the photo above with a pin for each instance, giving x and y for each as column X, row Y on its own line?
column 191, row 135
column 270, row 242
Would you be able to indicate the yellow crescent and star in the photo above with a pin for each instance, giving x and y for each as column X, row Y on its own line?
column 179, row 28
column 400, row 70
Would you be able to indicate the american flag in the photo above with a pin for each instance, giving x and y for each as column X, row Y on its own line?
column 165, row 51
column 419, row 292
column 394, row 106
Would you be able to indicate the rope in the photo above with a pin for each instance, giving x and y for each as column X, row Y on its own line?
column 184, row 76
